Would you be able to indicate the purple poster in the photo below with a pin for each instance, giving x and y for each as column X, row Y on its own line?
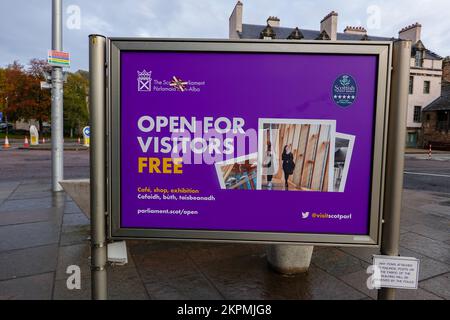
column 266, row 142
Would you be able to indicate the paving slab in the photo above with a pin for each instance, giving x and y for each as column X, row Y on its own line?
column 438, row 285
column 426, row 246
column 34, row 186
column 75, row 219
column 337, row 262
column 249, row 277
column 169, row 273
column 28, row 235
column 26, row 262
column 202, row 252
column 123, row 284
column 182, row 287
column 37, row 194
column 36, row 287
column 28, row 216
column 430, row 232
column 365, row 254
column 24, row 204
column 71, row 207
column 358, row 280
column 77, row 234
column 73, row 255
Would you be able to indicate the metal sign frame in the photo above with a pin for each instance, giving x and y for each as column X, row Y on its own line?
column 383, row 51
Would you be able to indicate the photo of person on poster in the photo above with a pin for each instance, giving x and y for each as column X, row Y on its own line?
column 300, row 153
column 268, row 166
column 288, row 163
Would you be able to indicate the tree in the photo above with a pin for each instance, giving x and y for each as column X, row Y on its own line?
column 40, row 108
column 21, row 97
column 21, row 94
column 13, row 88
column 76, row 114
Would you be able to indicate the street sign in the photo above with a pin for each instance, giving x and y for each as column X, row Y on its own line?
column 397, row 272
column 45, row 85
column 86, row 136
column 58, row 58
column 248, row 141
column 1, row 116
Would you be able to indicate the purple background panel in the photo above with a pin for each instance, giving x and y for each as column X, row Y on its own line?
column 251, row 86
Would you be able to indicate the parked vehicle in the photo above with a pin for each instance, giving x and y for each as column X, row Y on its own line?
column 3, row 126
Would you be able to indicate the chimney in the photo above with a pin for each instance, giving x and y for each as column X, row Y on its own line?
column 273, row 21
column 355, row 30
column 329, row 25
column 412, row 32
column 235, row 21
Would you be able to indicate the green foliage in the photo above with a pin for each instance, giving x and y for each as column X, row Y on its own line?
column 21, row 97
column 76, row 113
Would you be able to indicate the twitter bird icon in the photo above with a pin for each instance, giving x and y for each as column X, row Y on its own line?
column 305, row 215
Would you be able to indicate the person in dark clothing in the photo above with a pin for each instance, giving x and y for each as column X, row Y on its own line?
column 288, row 163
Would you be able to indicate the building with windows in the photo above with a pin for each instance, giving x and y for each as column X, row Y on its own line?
column 426, row 66
column 436, row 116
column 424, row 83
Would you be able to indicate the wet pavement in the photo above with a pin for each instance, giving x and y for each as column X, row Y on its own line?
column 41, row 234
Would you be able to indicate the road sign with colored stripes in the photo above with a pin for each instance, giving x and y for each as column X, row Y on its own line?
column 58, row 58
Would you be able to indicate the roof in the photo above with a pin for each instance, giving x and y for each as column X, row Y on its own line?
column 253, row 31
column 428, row 53
column 443, row 102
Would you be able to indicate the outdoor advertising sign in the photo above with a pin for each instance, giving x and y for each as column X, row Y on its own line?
column 247, row 141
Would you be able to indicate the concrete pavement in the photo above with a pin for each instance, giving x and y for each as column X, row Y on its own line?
column 42, row 234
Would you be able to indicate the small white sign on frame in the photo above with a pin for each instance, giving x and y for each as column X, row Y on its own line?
column 397, row 272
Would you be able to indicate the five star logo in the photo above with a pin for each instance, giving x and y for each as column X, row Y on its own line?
column 179, row 84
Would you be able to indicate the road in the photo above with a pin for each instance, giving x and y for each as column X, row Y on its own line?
column 427, row 175
column 21, row 164
column 17, row 165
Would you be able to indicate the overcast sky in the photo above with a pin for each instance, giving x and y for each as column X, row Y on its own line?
column 25, row 25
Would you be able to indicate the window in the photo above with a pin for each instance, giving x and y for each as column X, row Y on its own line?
column 443, row 121
column 411, row 85
column 419, row 58
column 426, row 87
column 417, row 114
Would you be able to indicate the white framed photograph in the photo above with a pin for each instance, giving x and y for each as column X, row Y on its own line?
column 296, row 154
column 238, row 173
column 342, row 158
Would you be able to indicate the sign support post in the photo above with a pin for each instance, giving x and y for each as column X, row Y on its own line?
column 57, row 101
column 395, row 155
column 97, row 74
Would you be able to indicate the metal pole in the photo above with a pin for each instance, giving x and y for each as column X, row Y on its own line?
column 395, row 155
column 97, row 74
column 57, row 101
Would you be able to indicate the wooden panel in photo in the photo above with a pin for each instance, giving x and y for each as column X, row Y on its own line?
column 283, row 139
column 301, row 149
column 325, row 178
column 309, row 157
column 291, row 134
column 320, row 163
column 295, row 151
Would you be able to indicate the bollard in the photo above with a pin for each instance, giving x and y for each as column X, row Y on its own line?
column 289, row 259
